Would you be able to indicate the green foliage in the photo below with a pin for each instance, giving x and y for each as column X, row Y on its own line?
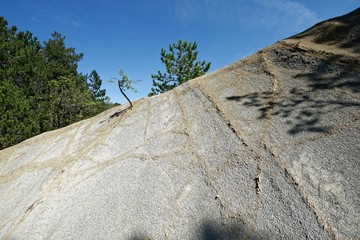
column 15, row 124
column 125, row 83
column 181, row 66
column 94, row 87
column 59, row 59
column 40, row 87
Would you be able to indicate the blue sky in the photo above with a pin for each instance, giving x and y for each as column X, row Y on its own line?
column 129, row 34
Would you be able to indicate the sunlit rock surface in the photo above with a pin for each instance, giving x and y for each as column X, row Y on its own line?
column 266, row 148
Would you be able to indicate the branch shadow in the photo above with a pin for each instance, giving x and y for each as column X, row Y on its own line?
column 304, row 107
column 344, row 77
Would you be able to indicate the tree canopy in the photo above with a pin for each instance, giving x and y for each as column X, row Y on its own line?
column 95, row 83
column 40, row 86
column 181, row 66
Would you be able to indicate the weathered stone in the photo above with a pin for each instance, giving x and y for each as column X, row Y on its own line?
column 266, row 148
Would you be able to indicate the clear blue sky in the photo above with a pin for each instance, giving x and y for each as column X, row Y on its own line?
column 129, row 34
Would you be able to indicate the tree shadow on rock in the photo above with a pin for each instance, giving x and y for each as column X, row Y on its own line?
column 328, row 84
column 334, row 72
column 300, row 116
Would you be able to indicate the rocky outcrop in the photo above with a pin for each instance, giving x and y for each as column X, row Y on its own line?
column 266, row 148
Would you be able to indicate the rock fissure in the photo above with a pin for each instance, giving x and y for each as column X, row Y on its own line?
column 321, row 220
column 275, row 90
column 252, row 153
column 264, row 148
column 219, row 196
column 148, row 117
column 222, row 115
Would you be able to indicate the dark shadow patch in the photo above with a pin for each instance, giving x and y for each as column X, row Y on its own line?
column 119, row 113
column 209, row 229
column 139, row 236
column 116, row 114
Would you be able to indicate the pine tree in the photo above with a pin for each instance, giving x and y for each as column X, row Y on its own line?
column 181, row 66
column 15, row 124
column 94, row 86
column 40, row 87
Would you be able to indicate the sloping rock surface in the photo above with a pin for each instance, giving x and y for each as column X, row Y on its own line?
column 266, row 148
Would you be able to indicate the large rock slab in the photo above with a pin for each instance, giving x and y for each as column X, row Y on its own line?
column 266, row 148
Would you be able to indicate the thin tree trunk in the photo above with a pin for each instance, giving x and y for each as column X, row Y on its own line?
column 119, row 83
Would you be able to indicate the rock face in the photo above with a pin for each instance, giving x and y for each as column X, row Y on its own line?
column 266, row 148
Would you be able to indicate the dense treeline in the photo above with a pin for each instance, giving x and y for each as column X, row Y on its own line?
column 40, row 87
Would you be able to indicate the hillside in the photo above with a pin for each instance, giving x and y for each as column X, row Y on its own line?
column 265, row 148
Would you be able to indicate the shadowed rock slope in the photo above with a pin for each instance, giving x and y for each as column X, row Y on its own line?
column 266, row 148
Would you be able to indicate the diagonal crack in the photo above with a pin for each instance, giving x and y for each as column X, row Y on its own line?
column 251, row 151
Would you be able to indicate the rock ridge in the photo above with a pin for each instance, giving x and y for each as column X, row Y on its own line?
column 265, row 148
